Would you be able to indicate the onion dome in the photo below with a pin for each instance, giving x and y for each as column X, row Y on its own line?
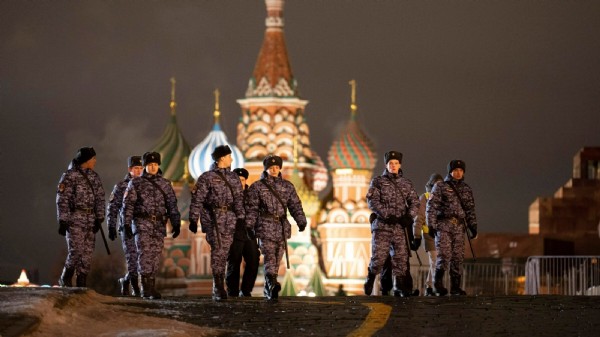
column 353, row 149
column 173, row 148
column 200, row 158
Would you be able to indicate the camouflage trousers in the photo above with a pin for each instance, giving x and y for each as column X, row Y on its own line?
column 272, row 252
column 218, row 253
column 149, row 246
column 450, row 246
column 393, row 242
column 81, row 242
column 131, row 254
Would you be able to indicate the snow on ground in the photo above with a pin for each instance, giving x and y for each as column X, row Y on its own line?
column 84, row 313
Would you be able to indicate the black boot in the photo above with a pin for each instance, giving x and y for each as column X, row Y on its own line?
column 403, row 286
column 369, row 283
column 135, row 287
column 429, row 292
column 455, row 286
column 148, row 290
column 66, row 279
column 438, row 283
column 219, row 293
column 272, row 287
column 124, row 285
column 80, row 281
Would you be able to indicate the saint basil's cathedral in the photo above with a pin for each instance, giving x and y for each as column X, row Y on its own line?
column 336, row 250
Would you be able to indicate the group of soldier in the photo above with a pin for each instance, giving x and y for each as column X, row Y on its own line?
column 234, row 216
column 443, row 216
column 231, row 214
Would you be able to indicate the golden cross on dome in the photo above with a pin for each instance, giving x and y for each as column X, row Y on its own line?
column 353, row 106
column 173, row 104
column 217, row 113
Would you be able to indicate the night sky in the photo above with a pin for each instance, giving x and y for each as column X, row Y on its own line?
column 511, row 87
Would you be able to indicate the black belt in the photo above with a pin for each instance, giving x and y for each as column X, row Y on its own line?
column 221, row 208
column 269, row 215
column 151, row 217
column 84, row 210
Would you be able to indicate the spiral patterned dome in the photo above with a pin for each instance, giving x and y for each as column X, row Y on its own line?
column 353, row 149
column 200, row 159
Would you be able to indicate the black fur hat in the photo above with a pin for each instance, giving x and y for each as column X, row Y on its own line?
column 271, row 160
column 151, row 157
column 456, row 163
column 242, row 172
column 392, row 155
column 220, row 151
column 134, row 161
column 84, row 154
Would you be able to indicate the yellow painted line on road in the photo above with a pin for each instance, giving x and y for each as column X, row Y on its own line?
column 375, row 320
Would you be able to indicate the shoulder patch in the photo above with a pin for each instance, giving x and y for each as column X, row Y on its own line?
column 61, row 188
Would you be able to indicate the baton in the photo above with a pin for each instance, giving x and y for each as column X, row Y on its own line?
column 104, row 239
column 469, row 239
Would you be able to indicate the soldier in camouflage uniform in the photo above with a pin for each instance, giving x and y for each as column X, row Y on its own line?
column 244, row 246
column 421, row 230
column 388, row 197
column 115, row 202
column 266, row 212
column 218, row 196
column 149, row 202
column 80, row 213
column 448, row 218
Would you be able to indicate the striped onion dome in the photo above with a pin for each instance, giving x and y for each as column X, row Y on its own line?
column 353, row 149
column 309, row 198
column 173, row 148
column 200, row 159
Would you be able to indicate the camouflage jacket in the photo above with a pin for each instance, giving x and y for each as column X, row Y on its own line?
column 444, row 203
column 212, row 198
column 143, row 200
column 264, row 212
column 388, row 196
column 75, row 195
column 115, row 202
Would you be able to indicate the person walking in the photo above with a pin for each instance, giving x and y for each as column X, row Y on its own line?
column 149, row 202
column 113, row 210
column 451, row 213
column 217, row 199
column 394, row 201
column 80, row 213
column 267, row 204
column 244, row 246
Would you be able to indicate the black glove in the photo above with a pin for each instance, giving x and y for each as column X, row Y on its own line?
column 392, row 219
column 472, row 232
column 415, row 244
column 406, row 221
column 432, row 233
column 112, row 233
column 251, row 234
column 97, row 224
column 193, row 225
column 301, row 228
column 128, row 232
column 63, row 227
column 176, row 231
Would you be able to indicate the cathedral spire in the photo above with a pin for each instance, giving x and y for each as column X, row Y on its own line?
column 217, row 113
column 353, row 106
column 173, row 104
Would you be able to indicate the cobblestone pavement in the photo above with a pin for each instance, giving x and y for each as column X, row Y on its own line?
column 340, row 316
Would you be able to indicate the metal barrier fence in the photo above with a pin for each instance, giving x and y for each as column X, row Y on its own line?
column 492, row 278
column 562, row 275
